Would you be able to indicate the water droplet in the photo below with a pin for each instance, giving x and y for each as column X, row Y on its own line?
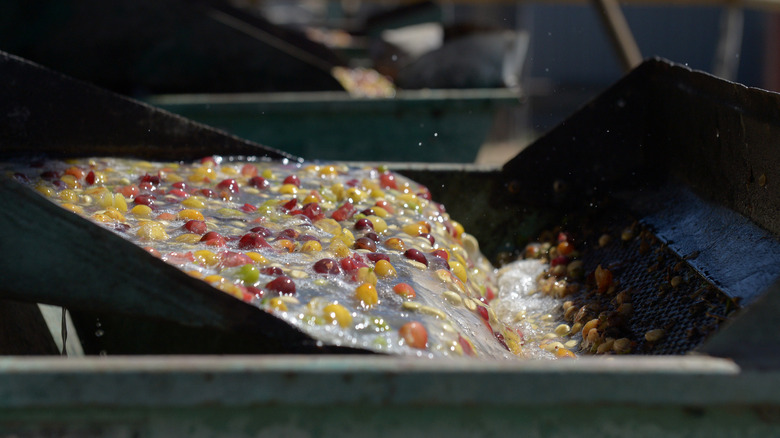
column 99, row 333
column 395, row 57
column 435, row 134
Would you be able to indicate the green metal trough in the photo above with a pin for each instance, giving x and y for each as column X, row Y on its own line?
column 415, row 125
column 714, row 142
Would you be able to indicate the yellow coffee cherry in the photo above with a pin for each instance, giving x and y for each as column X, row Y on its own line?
column 384, row 269
column 395, row 243
column 367, row 295
column 415, row 229
column 284, row 244
column 459, row 253
column 370, row 184
column 231, row 289
column 173, row 178
column 141, row 210
column 366, row 275
column 203, row 173
column 288, row 189
column 205, row 257
column 114, row 214
column 100, row 178
column 336, row 313
column 190, row 238
column 145, row 165
column 338, row 190
column 70, row 181
column 407, row 198
column 458, row 228
column 69, row 196
column 310, row 198
column 152, row 231
column 328, row 171
column 120, row 203
column 105, row 199
column 380, row 226
column 190, row 214
column 338, row 247
column 96, row 191
column 194, row 273
column 355, row 194
column 277, row 303
column 194, row 202
column 377, row 193
column 311, row 246
column 459, row 270
column 328, row 225
column 257, row 258
column 346, row 237
column 379, row 211
column 214, row 279
column 45, row 190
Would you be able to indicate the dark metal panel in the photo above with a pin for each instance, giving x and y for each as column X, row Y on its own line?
column 45, row 112
column 66, row 260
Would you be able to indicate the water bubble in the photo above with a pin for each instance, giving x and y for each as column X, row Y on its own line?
column 395, row 58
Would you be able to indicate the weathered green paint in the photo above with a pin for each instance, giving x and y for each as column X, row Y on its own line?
column 376, row 396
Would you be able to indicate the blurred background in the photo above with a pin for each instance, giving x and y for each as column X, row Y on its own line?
column 446, row 81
